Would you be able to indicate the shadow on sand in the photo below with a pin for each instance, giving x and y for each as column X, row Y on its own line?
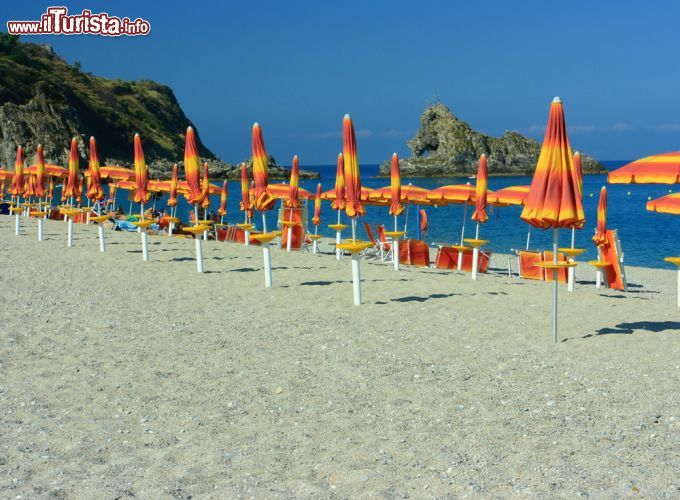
column 647, row 326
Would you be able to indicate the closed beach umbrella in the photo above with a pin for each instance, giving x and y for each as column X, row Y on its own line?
column 192, row 169
column 578, row 171
column 50, row 189
column 554, row 200
column 95, row 191
column 222, row 211
column 339, row 201
column 600, row 237
column 112, row 195
column 263, row 199
column 396, row 208
column 479, row 215
column 17, row 187
column 245, row 193
column 72, row 184
column 205, row 187
column 40, row 172
column 292, row 201
column 316, row 220
column 79, row 196
column 424, row 221
column 353, row 204
column 656, row 169
column 174, row 182
column 141, row 175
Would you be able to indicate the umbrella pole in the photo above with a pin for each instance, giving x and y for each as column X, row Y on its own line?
column 289, row 242
column 102, row 242
column 205, row 217
column 145, row 243
column 315, row 245
column 87, row 220
column 354, row 229
column 17, row 218
column 199, row 244
column 528, row 238
column 264, row 223
column 338, row 252
column 462, row 237
column 554, row 318
column 356, row 278
column 475, row 255
column 418, row 223
column 406, row 219
column 571, row 273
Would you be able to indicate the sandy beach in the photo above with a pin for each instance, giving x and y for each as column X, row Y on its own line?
column 120, row 378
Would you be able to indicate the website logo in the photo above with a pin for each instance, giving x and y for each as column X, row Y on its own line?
column 57, row 21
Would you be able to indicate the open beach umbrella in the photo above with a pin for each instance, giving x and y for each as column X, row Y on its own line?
column 511, row 195
column 353, row 203
column 281, row 191
column 553, row 201
column 264, row 201
column 669, row 204
column 141, row 193
column 656, row 169
column 95, row 192
column 479, row 215
column 192, row 172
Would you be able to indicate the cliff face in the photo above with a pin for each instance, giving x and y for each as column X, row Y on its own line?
column 44, row 100
column 447, row 146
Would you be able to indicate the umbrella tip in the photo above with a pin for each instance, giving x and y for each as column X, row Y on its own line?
column 394, row 154
column 483, row 155
column 136, row 134
column 346, row 117
column 576, row 153
column 557, row 100
column 256, row 124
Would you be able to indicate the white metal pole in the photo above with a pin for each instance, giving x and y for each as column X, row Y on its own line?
column 571, row 272
column 315, row 247
column 528, row 238
column 69, row 239
column 102, row 241
column 199, row 253
column 17, row 223
column 87, row 217
column 462, row 237
column 475, row 255
column 264, row 223
column 554, row 322
column 145, row 246
column 40, row 229
column 356, row 278
column 266, row 254
column 395, row 253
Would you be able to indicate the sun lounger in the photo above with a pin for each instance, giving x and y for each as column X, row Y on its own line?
column 414, row 253
column 527, row 265
column 385, row 246
column 562, row 274
column 298, row 230
column 375, row 249
column 447, row 258
column 610, row 252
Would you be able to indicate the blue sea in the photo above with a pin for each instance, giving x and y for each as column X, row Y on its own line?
column 646, row 237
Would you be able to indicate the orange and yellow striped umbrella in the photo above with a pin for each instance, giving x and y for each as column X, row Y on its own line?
column 600, row 237
column 192, row 168
column 94, row 191
column 282, row 192
column 245, row 191
column 29, row 185
column 339, row 200
column 50, row 189
column 578, row 170
column 174, row 181
column 294, row 184
column 112, row 193
column 512, row 195
column 2, row 187
column 72, row 185
column 481, row 184
column 316, row 220
column 6, row 174
column 115, row 173
column 50, row 170
column 669, row 204
column 410, row 194
column 223, row 200
column 205, row 187
column 554, row 200
column 453, row 193
column 656, row 169
column 396, row 208
column 79, row 196
column 40, row 172
column 17, row 187
column 263, row 199
column 353, row 205
column 142, row 194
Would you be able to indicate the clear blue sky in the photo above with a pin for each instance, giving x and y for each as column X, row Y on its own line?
column 298, row 66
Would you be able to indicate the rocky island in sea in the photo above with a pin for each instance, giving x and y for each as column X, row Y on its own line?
column 44, row 100
column 446, row 146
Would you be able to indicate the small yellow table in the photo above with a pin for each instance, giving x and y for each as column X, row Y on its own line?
column 173, row 220
column 354, row 246
column 99, row 218
column 572, row 252
column 315, row 237
column 338, row 227
column 245, row 226
column 38, row 214
column 70, row 212
column 143, row 223
column 395, row 234
column 264, row 237
column 475, row 243
column 290, row 223
column 460, row 248
column 15, row 210
column 555, row 266
column 195, row 230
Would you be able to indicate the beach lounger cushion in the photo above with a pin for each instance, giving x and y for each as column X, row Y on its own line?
column 527, row 265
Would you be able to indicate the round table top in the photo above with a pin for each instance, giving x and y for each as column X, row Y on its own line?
column 555, row 265
column 174, row 220
column 38, row 214
column 87, row 209
column 196, row 229
column 205, row 222
column 315, row 236
column 338, row 227
column 354, row 246
column 264, row 237
column 142, row 223
column 99, row 218
column 572, row 252
column 276, row 232
column 290, row 223
column 16, row 209
column 600, row 264
column 673, row 260
column 71, row 211
column 245, row 226
column 460, row 248
column 475, row 242
column 395, row 234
